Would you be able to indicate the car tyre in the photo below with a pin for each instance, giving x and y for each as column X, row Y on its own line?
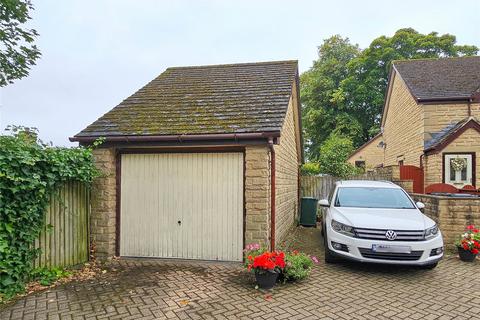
column 329, row 255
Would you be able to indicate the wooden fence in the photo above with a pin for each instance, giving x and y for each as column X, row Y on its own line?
column 64, row 241
column 318, row 187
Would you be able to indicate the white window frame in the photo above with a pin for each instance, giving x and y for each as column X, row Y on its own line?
column 458, row 182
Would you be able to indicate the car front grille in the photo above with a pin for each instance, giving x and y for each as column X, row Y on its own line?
column 379, row 234
column 368, row 253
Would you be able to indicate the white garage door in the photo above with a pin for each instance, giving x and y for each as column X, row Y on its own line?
column 182, row 205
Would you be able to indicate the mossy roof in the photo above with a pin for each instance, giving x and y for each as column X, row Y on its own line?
column 234, row 98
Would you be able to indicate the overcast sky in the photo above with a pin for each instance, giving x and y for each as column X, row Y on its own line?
column 95, row 53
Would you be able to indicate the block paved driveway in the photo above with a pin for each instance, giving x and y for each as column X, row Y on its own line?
column 159, row 289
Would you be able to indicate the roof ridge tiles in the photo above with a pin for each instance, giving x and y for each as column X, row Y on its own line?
column 234, row 64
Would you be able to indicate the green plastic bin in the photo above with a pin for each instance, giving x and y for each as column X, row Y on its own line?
column 308, row 215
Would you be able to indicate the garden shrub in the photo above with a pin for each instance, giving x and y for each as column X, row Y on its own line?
column 297, row 266
column 30, row 171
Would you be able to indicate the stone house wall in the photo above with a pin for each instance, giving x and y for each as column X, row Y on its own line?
column 370, row 153
column 103, row 204
column 403, row 126
column 286, row 175
column 469, row 141
column 451, row 214
column 257, row 195
column 438, row 116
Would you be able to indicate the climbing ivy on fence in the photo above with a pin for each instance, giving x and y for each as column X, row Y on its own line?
column 30, row 171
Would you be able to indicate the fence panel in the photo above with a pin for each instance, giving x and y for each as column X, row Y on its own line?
column 64, row 241
column 317, row 186
column 414, row 173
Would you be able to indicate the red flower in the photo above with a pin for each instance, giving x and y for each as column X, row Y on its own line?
column 475, row 251
column 465, row 246
column 280, row 259
column 470, row 227
column 476, row 230
column 264, row 261
column 268, row 261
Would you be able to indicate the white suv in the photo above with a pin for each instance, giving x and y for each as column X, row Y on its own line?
column 374, row 221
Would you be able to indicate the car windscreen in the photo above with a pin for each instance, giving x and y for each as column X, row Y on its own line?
column 363, row 197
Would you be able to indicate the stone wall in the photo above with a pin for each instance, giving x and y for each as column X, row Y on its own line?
column 286, row 176
column 388, row 173
column 103, row 211
column 257, row 195
column 451, row 214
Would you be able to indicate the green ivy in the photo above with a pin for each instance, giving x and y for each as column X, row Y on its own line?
column 30, row 171
column 47, row 276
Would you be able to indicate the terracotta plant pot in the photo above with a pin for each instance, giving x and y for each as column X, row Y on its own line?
column 266, row 279
column 466, row 255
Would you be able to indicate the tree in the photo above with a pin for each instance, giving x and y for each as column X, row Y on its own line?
column 321, row 102
column 17, row 52
column 364, row 88
column 334, row 153
column 310, row 169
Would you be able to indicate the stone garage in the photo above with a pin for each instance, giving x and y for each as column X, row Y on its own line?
column 198, row 163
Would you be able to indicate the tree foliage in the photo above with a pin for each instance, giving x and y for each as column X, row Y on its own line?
column 17, row 51
column 333, row 156
column 344, row 90
column 310, row 169
column 30, row 172
column 322, row 102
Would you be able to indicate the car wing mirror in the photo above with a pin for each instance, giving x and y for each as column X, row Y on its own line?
column 420, row 205
column 324, row 203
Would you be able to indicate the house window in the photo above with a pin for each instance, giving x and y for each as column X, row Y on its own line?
column 459, row 169
column 360, row 164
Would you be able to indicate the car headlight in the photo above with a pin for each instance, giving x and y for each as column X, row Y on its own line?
column 431, row 232
column 343, row 228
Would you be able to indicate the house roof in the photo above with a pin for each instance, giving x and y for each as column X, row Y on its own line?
column 441, row 139
column 441, row 79
column 217, row 99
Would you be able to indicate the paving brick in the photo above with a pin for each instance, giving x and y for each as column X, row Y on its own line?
column 172, row 289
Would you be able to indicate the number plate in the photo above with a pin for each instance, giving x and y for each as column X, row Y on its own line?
column 391, row 249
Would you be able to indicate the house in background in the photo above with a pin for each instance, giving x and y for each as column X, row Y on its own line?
column 370, row 155
column 198, row 163
column 431, row 121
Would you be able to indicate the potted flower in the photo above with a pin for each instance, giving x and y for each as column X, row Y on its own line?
column 267, row 266
column 469, row 244
column 297, row 266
